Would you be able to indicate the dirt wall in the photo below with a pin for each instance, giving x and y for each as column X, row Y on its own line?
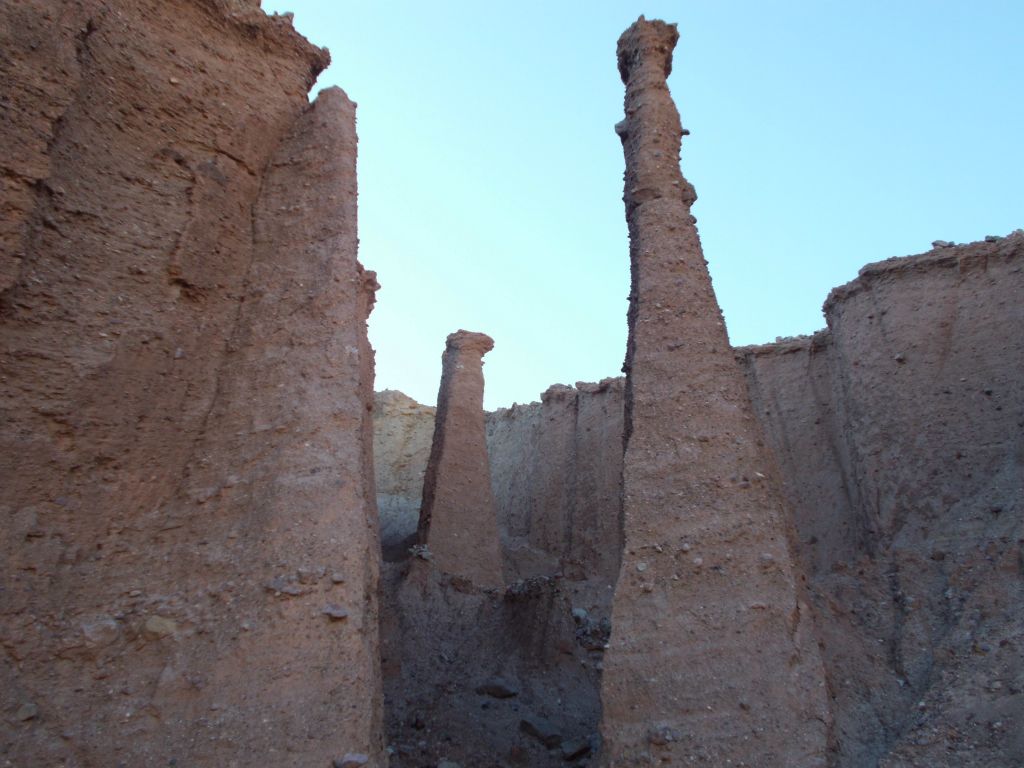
column 190, row 564
column 402, row 434
column 900, row 432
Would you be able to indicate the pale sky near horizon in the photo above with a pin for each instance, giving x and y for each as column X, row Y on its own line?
column 825, row 135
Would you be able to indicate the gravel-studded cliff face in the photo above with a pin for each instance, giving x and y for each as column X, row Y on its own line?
column 190, row 563
column 556, row 467
column 900, row 432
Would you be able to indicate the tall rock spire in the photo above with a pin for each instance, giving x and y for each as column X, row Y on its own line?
column 458, row 519
column 712, row 655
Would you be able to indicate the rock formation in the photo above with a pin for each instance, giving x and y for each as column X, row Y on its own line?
column 402, row 433
column 190, row 557
column 458, row 521
column 712, row 653
column 900, row 433
column 191, row 560
column 556, row 470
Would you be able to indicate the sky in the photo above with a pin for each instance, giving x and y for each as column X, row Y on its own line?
column 825, row 135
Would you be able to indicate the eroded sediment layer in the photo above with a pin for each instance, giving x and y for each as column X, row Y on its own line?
column 556, row 469
column 190, row 565
column 712, row 652
column 458, row 521
column 402, row 434
column 900, row 433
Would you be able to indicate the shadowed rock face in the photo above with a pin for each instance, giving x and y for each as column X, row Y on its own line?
column 458, row 521
column 712, row 652
column 556, row 470
column 402, row 433
column 186, row 457
column 900, row 434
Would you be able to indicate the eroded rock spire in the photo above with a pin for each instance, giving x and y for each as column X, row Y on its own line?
column 712, row 654
column 458, row 520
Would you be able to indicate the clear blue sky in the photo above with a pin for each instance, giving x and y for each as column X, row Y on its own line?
column 825, row 135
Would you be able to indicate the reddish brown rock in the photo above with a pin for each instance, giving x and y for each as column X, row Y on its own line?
column 458, row 521
column 186, row 456
column 712, row 654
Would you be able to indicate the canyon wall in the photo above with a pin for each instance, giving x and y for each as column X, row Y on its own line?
column 900, row 432
column 556, row 468
column 191, row 550
column 402, row 434
column 897, row 432
column 190, row 557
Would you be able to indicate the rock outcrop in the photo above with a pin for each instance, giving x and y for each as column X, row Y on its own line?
column 712, row 655
column 191, row 569
column 900, row 433
column 190, row 559
column 402, row 434
column 458, row 521
column 556, row 470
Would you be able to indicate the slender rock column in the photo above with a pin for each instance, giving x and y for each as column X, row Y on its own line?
column 458, row 519
column 712, row 656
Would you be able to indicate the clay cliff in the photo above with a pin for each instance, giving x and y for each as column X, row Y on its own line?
column 802, row 553
column 402, row 434
column 900, row 433
column 897, row 434
column 191, row 553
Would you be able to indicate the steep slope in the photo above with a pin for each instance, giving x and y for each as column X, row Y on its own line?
column 900, row 432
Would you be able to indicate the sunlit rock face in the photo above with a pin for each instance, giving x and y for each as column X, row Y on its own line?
column 712, row 653
column 190, row 558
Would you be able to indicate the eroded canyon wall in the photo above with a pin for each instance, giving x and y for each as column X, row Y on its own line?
column 900, row 430
column 190, row 556
column 556, row 468
column 402, row 434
